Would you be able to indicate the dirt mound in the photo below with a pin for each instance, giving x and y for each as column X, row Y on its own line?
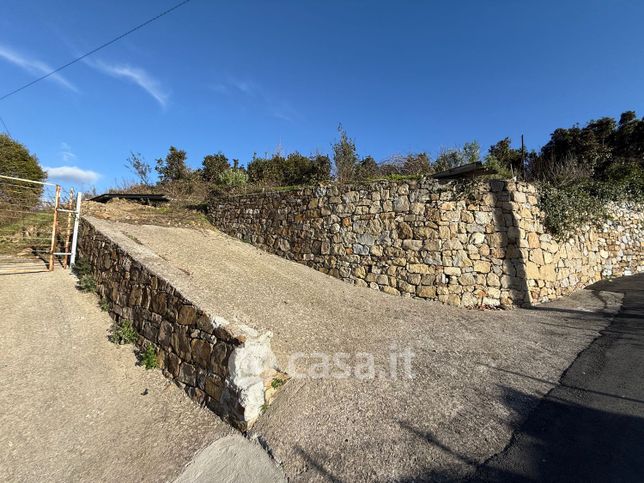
column 171, row 214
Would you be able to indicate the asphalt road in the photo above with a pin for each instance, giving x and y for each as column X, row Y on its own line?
column 591, row 426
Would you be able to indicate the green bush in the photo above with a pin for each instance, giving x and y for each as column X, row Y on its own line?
column 295, row 169
column 149, row 357
column 123, row 333
column 104, row 304
column 568, row 206
column 16, row 161
column 86, row 281
column 233, row 177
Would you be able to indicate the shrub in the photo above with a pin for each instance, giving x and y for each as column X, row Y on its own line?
column 173, row 167
column 502, row 170
column 104, row 305
column 295, row 169
column 214, row 165
column 233, row 177
column 149, row 357
column 345, row 157
column 568, row 206
column 86, row 281
column 123, row 333
column 17, row 161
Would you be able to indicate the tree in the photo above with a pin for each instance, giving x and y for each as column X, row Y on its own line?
column 173, row 166
column 418, row 163
column 345, row 157
column 628, row 139
column 454, row 157
column 139, row 167
column 367, row 169
column 321, row 168
column 295, row 169
column 509, row 160
column 588, row 147
column 267, row 171
column 213, row 166
column 16, row 161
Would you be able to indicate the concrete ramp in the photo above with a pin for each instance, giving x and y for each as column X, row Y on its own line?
column 381, row 387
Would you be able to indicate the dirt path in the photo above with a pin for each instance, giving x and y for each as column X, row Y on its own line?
column 476, row 375
column 75, row 407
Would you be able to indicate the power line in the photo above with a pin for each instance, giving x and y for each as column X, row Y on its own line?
column 102, row 46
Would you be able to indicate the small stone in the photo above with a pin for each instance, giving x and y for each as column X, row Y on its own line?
column 405, row 231
column 477, row 238
column 481, row 266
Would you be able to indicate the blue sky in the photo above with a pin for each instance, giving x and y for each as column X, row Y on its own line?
column 249, row 76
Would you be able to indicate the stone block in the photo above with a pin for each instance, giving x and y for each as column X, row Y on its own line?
column 201, row 351
column 187, row 315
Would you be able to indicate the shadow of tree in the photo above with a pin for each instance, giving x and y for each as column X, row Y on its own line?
column 507, row 230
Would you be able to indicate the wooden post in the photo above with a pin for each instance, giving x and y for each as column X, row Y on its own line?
column 68, row 233
column 54, row 229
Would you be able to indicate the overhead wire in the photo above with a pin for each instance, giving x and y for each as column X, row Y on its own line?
column 100, row 47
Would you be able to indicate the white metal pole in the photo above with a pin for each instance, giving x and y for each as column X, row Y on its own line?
column 27, row 180
column 79, row 198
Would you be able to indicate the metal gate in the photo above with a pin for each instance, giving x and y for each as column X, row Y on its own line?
column 38, row 225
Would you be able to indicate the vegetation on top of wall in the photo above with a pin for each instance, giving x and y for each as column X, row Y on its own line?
column 572, row 203
column 579, row 169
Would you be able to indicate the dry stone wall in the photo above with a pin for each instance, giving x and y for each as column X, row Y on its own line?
column 464, row 243
column 223, row 365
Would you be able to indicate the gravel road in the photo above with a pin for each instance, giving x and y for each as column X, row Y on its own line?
column 476, row 374
column 75, row 407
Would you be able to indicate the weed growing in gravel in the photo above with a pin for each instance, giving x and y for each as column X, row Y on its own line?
column 104, row 305
column 123, row 333
column 149, row 357
column 86, row 281
column 277, row 383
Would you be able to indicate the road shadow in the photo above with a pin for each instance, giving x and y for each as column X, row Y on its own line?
column 567, row 441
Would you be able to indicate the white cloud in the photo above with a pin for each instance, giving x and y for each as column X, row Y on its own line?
column 33, row 66
column 136, row 75
column 66, row 152
column 72, row 174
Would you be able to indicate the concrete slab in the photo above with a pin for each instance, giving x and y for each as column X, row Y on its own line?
column 476, row 374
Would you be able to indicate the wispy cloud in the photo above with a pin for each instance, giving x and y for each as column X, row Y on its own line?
column 254, row 93
column 33, row 66
column 136, row 75
column 66, row 152
column 72, row 174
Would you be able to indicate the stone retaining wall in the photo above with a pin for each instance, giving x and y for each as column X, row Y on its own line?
column 462, row 243
column 224, row 365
